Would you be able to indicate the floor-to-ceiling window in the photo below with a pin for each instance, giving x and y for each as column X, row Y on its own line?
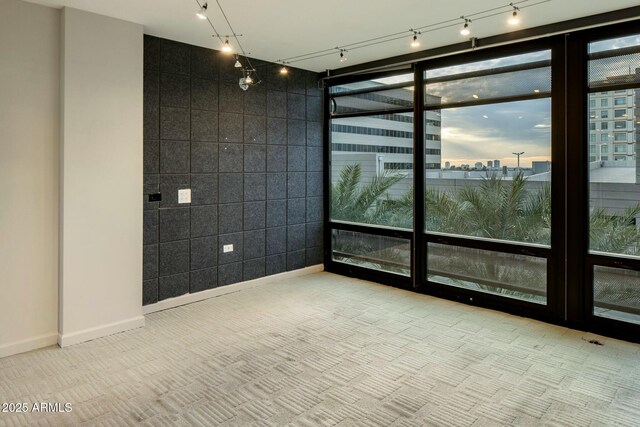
column 371, row 173
column 614, row 178
column 494, row 184
column 518, row 166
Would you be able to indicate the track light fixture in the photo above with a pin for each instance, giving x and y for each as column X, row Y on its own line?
column 415, row 33
column 247, row 68
column 415, row 42
column 202, row 13
column 226, row 47
column 465, row 31
column 514, row 19
column 246, row 80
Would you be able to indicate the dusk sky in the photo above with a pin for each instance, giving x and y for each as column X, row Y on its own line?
column 495, row 131
column 489, row 132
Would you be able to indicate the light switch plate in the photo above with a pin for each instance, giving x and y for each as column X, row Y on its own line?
column 184, row 196
column 227, row 248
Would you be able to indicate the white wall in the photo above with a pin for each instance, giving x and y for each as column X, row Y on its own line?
column 29, row 130
column 101, row 179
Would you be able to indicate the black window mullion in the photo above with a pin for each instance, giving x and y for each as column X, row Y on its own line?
column 371, row 229
column 488, row 244
column 578, row 286
column 419, row 257
column 556, row 265
column 326, row 175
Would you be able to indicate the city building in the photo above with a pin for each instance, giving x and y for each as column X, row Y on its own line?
column 612, row 125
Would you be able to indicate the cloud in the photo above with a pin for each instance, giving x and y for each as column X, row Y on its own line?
column 468, row 137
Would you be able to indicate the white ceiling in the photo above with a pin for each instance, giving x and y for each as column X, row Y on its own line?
column 274, row 30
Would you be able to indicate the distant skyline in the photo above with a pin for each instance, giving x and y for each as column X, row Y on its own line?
column 495, row 131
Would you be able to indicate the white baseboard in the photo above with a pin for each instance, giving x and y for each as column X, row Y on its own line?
column 29, row 344
column 65, row 340
column 222, row 290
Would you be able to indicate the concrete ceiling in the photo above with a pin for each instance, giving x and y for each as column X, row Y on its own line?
column 274, row 30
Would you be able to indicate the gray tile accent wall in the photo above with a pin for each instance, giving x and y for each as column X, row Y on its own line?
column 253, row 162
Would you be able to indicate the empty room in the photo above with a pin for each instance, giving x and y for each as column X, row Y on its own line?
column 218, row 213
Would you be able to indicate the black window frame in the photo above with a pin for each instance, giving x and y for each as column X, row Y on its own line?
column 553, row 310
column 573, row 265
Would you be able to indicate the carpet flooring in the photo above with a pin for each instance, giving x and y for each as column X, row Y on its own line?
column 326, row 350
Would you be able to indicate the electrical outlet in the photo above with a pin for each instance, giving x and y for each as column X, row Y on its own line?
column 227, row 248
column 184, row 196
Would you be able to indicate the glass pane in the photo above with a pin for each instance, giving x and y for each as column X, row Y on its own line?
column 490, row 64
column 392, row 99
column 381, row 253
column 477, row 89
column 513, row 76
column 495, row 176
column 515, row 276
column 614, row 181
column 374, row 84
column 614, row 61
column 616, row 293
column 372, row 170
column 614, row 44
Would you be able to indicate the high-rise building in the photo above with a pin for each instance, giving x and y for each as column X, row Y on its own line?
column 490, row 163
column 496, row 164
column 478, row 165
column 447, row 165
column 637, row 133
column 612, row 125
column 382, row 142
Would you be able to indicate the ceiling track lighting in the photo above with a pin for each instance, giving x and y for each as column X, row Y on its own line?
column 246, row 80
column 415, row 42
column 431, row 27
column 226, row 47
column 202, row 13
column 514, row 19
column 465, row 31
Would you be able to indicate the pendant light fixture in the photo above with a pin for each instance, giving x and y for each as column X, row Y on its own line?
column 514, row 19
column 465, row 31
column 202, row 13
column 226, row 47
column 415, row 42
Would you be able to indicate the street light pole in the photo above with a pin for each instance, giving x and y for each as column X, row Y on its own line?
column 518, row 154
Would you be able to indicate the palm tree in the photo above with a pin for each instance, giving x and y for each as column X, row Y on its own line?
column 615, row 233
column 497, row 209
column 368, row 203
